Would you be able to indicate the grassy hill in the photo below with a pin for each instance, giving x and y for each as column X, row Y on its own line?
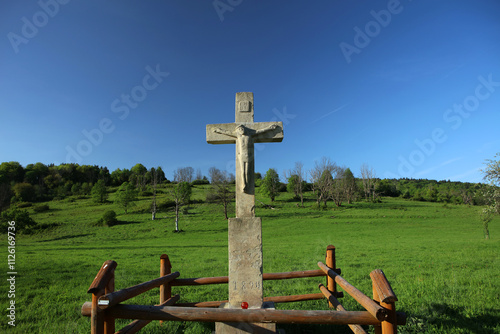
column 442, row 270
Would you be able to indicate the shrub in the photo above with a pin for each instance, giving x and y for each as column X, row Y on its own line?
column 108, row 218
column 199, row 182
column 22, row 218
column 41, row 208
column 166, row 204
column 44, row 227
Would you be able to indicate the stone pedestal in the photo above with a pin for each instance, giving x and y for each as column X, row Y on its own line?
column 245, row 262
column 245, row 274
column 244, row 328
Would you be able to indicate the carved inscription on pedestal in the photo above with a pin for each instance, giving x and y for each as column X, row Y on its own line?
column 245, row 261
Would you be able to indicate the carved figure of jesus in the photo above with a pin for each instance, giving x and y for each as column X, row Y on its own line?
column 244, row 140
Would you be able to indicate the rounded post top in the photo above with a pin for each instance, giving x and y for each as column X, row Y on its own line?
column 164, row 258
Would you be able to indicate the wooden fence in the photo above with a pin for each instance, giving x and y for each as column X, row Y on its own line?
column 106, row 305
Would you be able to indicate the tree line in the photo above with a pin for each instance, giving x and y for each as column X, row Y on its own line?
column 326, row 181
column 39, row 182
column 330, row 182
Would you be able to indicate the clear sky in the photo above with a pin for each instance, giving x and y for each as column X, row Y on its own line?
column 411, row 88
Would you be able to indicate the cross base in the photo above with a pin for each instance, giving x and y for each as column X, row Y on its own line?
column 245, row 328
column 245, row 262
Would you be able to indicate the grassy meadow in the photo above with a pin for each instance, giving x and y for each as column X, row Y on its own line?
column 444, row 273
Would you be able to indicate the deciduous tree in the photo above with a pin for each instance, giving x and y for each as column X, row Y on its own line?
column 139, row 177
column 157, row 176
column 11, row 172
column 220, row 191
column 181, row 195
column 296, row 181
column 492, row 193
column 24, row 192
column 368, row 177
column 125, row 196
column 199, row 175
column 184, row 174
column 35, row 173
column 322, row 179
column 270, row 184
column 99, row 192
column 118, row 176
column 350, row 186
column 337, row 192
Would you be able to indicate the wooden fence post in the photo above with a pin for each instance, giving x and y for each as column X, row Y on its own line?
column 97, row 289
column 165, row 289
column 373, row 308
column 96, row 317
column 165, row 269
column 387, row 299
column 109, row 322
column 330, row 262
column 378, row 328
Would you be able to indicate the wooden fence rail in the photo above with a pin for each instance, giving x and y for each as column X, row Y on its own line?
column 376, row 310
column 276, row 299
column 174, row 313
column 383, row 294
column 106, row 303
column 265, row 277
column 119, row 296
column 357, row 329
column 137, row 325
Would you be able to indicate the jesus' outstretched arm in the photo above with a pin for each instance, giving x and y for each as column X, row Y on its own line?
column 269, row 128
column 224, row 132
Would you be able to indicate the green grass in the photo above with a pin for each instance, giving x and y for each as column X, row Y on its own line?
column 442, row 270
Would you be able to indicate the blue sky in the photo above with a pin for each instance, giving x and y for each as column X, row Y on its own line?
column 411, row 88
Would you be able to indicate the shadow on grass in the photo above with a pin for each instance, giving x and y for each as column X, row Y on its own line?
column 127, row 248
column 454, row 317
column 441, row 316
column 221, row 230
column 314, row 329
column 68, row 237
column 125, row 222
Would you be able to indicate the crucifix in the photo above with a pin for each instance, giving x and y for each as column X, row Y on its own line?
column 244, row 133
column 245, row 231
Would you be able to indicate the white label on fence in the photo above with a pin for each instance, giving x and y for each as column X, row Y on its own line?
column 103, row 302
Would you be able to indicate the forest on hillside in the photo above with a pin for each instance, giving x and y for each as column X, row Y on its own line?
column 23, row 187
column 39, row 183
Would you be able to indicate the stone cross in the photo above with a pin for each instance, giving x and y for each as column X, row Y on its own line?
column 244, row 133
column 244, row 231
